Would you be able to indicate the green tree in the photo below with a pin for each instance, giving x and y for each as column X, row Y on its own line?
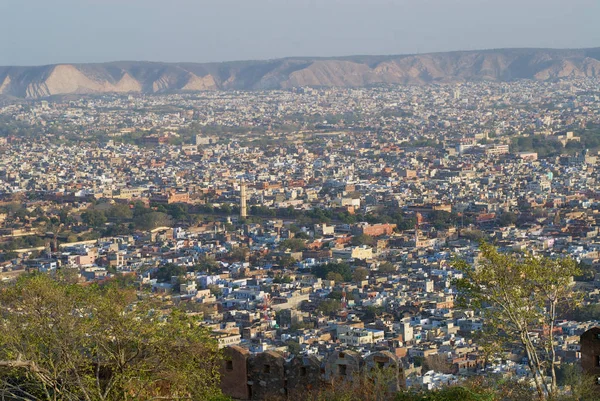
column 360, row 274
column 120, row 212
column 287, row 261
column 507, row 219
column 329, row 306
column 518, row 295
column 473, row 235
column 453, row 393
column 62, row 341
column 169, row 270
column 337, row 277
column 371, row 313
column 441, row 219
column 386, row 268
column 93, row 218
column 322, row 271
column 239, row 254
column 582, row 386
column 152, row 220
column 363, row 239
column 208, row 264
column 302, row 235
column 293, row 244
column 293, row 347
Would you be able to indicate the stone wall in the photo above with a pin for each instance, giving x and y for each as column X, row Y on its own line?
column 234, row 372
column 590, row 351
column 269, row 375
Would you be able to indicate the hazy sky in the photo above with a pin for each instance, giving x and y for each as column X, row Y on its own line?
column 65, row 31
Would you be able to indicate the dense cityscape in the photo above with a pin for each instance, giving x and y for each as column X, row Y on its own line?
column 315, row 232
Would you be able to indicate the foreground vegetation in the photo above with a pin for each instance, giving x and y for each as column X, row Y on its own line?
column 517, row 295
column 63, row 341
column 576, row 385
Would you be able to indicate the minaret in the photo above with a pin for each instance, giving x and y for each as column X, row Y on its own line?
column 419, row 219
column 243, row 208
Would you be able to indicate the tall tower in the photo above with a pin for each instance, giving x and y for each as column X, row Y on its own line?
column 266, row 306
column 243, row 208
column 419, row 220
column 407, row 330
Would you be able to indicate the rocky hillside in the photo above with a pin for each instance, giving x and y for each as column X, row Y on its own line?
column 149, row 77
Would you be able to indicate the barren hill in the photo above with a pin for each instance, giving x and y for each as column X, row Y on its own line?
column 150, row 77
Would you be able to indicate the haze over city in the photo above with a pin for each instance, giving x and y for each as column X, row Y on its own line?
column 38, row 32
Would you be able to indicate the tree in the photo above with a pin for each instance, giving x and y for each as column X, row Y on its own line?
column 441, row 219
column 337, row 277
column 518, row 295
column 294, row 347
column 286, row 261
column 360, row 274
column 120, row 212
column 507, row 219
column 177, row 211
column 93, row 218
column 451, row 393
column 282, row 279
column 293, row 244
column 585, row 313
column 329, row 306
column 226, row 209
column 371, row 313
column 62, row 341
column 302, row 235
column 322, row 271
column 215, row 290
column 582, row 385
column 386, row 268
column 169, row 270
column 207, row 264
column 363, row 239
column 239, row 254
column 473, row 235
column 149, row 221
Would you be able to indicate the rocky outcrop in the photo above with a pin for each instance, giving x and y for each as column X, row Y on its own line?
column 149, row 77
column 5, row 84
column 196, row 83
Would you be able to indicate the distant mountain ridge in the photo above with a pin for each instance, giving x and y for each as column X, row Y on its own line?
column 352, row 71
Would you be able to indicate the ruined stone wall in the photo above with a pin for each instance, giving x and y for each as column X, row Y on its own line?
column 590, row 351
column 269, row 375
column 234, row 372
